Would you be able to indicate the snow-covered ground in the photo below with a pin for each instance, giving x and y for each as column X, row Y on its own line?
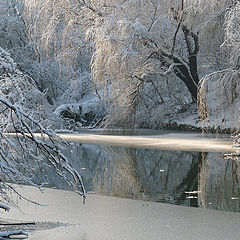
column 187, row 116
column 107, row 218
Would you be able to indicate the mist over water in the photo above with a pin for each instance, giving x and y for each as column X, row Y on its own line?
column 168, row 141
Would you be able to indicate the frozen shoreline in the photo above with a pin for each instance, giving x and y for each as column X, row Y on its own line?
column 108, row 218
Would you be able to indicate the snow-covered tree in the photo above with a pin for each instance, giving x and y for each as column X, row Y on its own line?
column 150, row 43
column 26, row 146
column 59, row 42
column 219, row 93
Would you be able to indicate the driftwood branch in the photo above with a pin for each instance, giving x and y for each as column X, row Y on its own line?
column 17, row 224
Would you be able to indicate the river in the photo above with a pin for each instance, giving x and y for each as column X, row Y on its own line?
column 181, row 168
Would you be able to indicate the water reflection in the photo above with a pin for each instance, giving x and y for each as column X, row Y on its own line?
column 219, row 183
column 176, row 177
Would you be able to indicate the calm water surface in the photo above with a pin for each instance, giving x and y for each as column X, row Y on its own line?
column 190, row 178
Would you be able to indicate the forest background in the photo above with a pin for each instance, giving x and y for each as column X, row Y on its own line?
column 145, row 63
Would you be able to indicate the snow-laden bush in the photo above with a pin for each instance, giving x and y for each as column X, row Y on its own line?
column 86, row 113
column 78, row 88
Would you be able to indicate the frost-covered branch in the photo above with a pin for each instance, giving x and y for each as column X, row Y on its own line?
column 24, row 156
column 46, row 146
column 154, row 15
column 90, row 7
column 177, row 29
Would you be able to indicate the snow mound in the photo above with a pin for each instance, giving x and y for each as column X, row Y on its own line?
column 85, row 113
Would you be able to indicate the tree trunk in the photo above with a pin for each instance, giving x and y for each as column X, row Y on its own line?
column 190, row 78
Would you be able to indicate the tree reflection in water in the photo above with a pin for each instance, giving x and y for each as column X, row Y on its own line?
column 184, row 178
column 219, row 183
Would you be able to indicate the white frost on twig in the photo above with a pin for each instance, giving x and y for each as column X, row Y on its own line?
column 170, row 69
column 9, row 234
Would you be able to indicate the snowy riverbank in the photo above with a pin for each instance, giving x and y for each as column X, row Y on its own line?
column 107, row 218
